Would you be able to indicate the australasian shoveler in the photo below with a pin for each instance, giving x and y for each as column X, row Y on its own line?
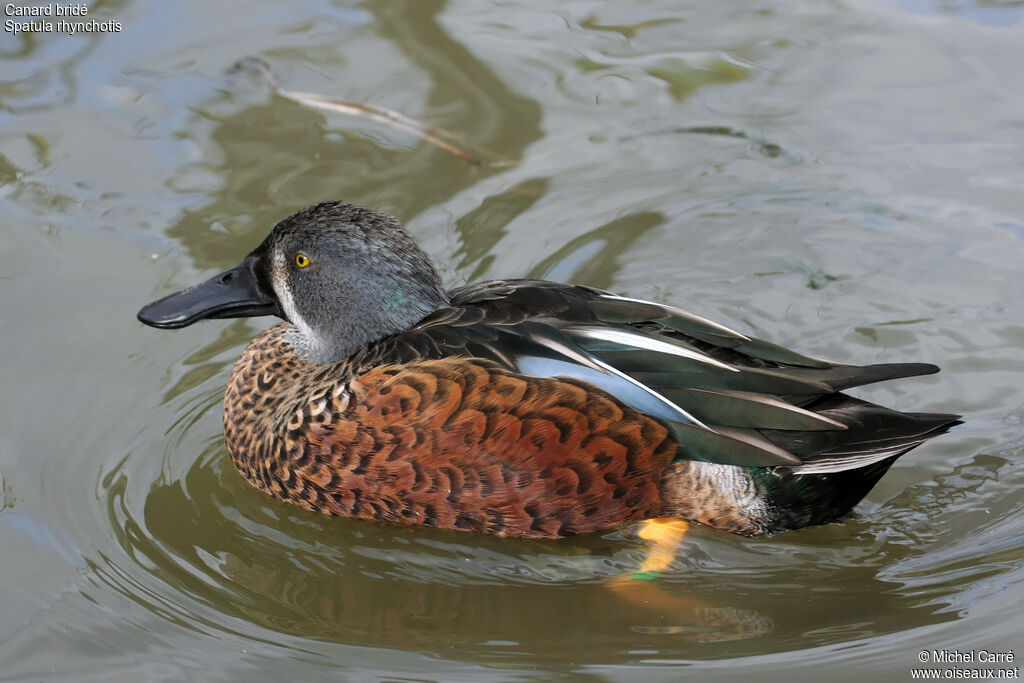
column 523, row 407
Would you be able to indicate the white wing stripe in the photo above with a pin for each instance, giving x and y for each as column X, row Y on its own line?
column 680, row 313
column 642, row 341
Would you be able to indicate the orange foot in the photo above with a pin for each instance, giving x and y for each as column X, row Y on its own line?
column 665, row 535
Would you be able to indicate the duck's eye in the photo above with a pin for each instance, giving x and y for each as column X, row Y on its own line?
column 301, row 260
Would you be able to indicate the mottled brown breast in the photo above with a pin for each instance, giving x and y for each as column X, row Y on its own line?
column 457, row 443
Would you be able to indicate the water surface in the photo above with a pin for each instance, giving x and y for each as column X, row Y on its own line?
column 842, row 178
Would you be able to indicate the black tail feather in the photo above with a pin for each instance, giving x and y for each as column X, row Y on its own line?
column 833, row 481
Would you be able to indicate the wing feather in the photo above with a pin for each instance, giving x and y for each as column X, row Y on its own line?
column 727, row 397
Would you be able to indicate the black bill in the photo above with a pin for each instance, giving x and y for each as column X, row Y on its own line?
column 235, row 293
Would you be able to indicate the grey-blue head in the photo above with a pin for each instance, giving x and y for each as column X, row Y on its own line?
column 342, row 275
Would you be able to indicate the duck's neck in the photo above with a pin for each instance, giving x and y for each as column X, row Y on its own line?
column 340, row 337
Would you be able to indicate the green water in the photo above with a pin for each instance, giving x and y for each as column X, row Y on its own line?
column 842, row 178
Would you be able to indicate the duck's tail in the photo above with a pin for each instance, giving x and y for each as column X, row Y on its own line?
column 833, row 478
column 828, row 485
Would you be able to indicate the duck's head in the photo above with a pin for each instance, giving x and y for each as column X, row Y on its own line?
column 342, row 275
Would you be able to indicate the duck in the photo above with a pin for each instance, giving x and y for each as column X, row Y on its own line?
column 525, row 408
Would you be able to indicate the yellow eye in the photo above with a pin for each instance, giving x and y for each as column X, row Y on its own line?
column 301, row 260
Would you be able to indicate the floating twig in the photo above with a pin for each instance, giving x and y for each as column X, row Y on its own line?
column 387, row 117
